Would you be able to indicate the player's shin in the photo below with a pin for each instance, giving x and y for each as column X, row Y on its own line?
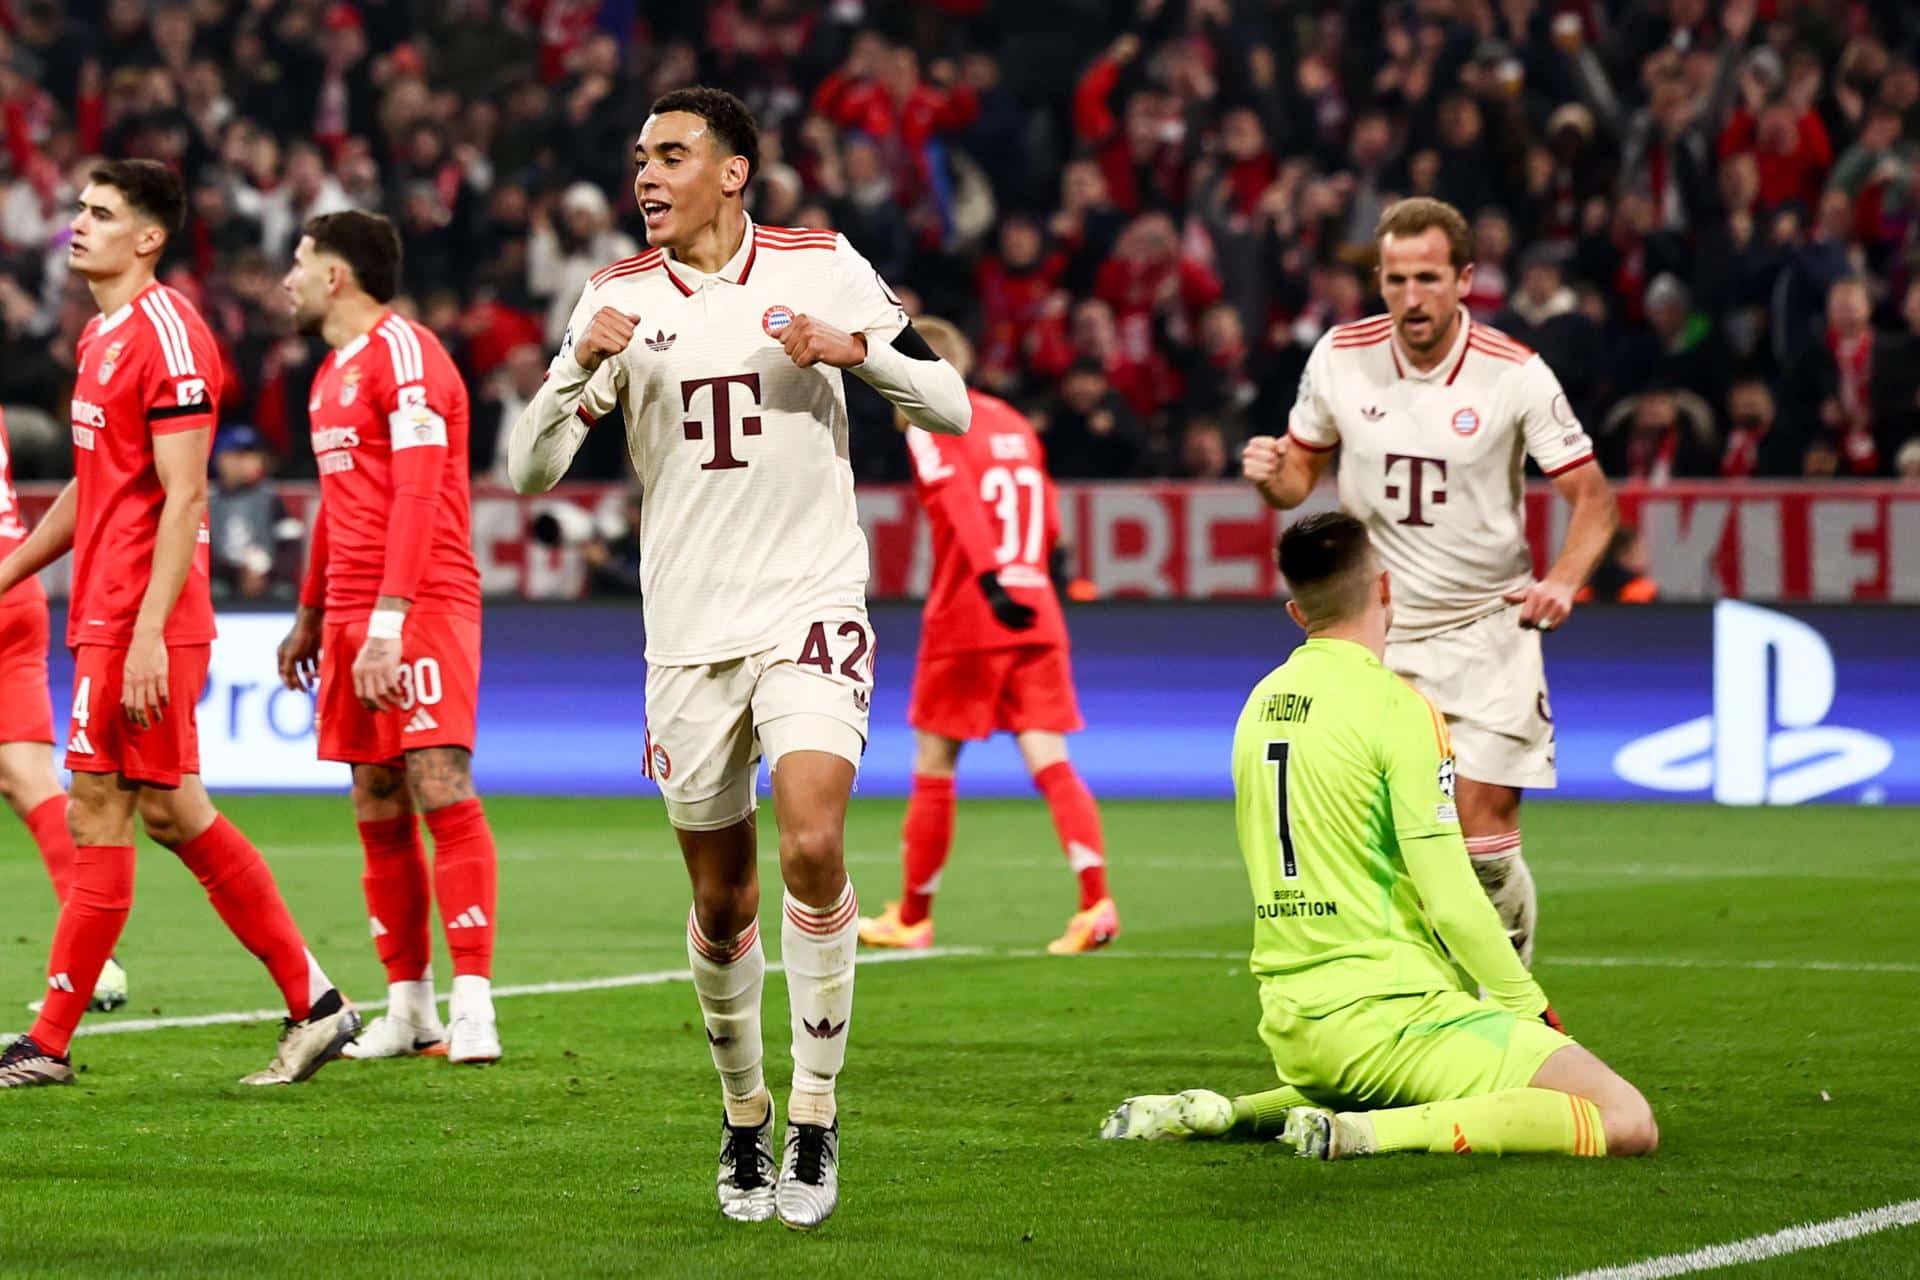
column 465, row 880
column 90, row 924
column 729, row 975
column 817, row 946
column 1503, row 873
column 1076, row 820
column 47, row 823
column 926, row 838
column 395, row 884
column 1512, row 1122
column 242, row 890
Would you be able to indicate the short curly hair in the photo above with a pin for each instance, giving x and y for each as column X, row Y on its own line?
column 729, row 120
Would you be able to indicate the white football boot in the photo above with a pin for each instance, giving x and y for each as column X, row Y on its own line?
column 809, row 1188
column 473, row 1037
column 1171, row 1117
column 747, row 1173
column 411, row 1027
column 310, row 1044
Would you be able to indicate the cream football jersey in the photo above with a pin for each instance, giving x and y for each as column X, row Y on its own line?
column 747, row 520
column 1433, row 462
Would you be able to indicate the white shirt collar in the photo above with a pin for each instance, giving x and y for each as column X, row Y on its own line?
column 732, row 273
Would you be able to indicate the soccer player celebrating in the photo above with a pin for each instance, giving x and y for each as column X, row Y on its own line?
column 993, row 655
column 1432, row 413
column 27, row 779
column 1365, row 914
column 141, row 626
column 389, row 620
column 724, row 345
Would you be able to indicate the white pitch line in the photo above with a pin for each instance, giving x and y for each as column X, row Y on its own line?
column 658, row 977
column 1812, row 1235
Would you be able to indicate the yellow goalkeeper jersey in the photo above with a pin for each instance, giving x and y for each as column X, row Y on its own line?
column 1343, row 790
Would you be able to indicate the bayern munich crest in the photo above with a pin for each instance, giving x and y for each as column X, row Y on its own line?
column 1466, row 422
column 776, row 320
column 661, row 762
column 108, row 360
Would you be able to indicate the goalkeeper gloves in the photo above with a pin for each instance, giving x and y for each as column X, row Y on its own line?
column 1552, row 1019
column 1007, row 611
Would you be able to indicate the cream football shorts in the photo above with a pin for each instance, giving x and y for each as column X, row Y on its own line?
column 1489, row 680
column 709, row 726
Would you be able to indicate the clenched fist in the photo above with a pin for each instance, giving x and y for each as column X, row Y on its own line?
column 809, row 341
column 608, row 334
column 1261, row 463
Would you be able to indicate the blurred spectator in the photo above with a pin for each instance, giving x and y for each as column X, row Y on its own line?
column 1757, row 446
column 245, row 518
column 1203, row 450
column 1830, row 380
column 306, row 191
column 1089, row 429
column 1658, row 436
column 563, row 252
column 1893, row 383
column 512, row 387
column 612, row 555
column 1906, row 463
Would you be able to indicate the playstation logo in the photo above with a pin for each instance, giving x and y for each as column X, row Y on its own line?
column 1773, row 682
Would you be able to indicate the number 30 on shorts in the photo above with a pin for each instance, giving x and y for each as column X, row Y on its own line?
column 420, row 683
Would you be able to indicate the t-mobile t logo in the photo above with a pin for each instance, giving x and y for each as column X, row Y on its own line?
column 1419, row 497
column 1773, row 682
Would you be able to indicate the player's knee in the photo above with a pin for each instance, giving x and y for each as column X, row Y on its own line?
column 438, row 777
column 379, row 793
column 1630, row 1126
column 162, row 824
column 811, row 852
column 723, row 909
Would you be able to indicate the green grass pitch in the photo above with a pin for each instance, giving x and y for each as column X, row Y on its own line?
column 1754, row 972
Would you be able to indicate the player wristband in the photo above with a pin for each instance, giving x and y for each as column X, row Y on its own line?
column 385, row 624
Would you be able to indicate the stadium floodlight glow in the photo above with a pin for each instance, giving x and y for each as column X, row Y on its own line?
column 1773, row 682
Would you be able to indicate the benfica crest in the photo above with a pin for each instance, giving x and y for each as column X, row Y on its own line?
column 349, row 386
column 108, row 360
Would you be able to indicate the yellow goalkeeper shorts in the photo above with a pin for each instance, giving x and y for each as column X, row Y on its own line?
column 1399, row 1051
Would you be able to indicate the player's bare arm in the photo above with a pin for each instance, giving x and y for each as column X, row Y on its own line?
column 1547, row 603
column 50, row 539
column 1281, row 471
column 180, row 460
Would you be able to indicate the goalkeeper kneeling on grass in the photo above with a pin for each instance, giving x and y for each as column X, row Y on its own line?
column 1370, row 928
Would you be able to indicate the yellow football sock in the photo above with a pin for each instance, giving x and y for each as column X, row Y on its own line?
column 1265, row 1114
column 1518, row 1121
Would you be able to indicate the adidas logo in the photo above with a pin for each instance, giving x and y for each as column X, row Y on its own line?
column 61, row 982
column 379, row 930
column 421, row 722
column 472, row 918
column 825, row 1029
column 1373, row 413
column 80, row 745
column 661, row 340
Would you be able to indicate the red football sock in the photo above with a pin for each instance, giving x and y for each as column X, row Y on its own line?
column 395, row 884
column 241, row 888
column 1076, row 820
column 48, row 824
column 926, row 838
column 90, row 925
column 466, row 872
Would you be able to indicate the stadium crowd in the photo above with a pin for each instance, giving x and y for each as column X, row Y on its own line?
column 1707, row 218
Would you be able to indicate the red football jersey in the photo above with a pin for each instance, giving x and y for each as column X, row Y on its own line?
column 993, row 508
column 13, row 531
column 149, row 369
column 389, row 417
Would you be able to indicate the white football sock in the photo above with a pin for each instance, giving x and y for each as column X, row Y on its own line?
column 728, row 977
column 1508, row 882
column 472, row 997
column 413, row 1001
column 817, row 946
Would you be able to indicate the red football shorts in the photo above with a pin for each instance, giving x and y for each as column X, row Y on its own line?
column 974, row 695
column 26, row 704
column 102, row 739
column 439, row 691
